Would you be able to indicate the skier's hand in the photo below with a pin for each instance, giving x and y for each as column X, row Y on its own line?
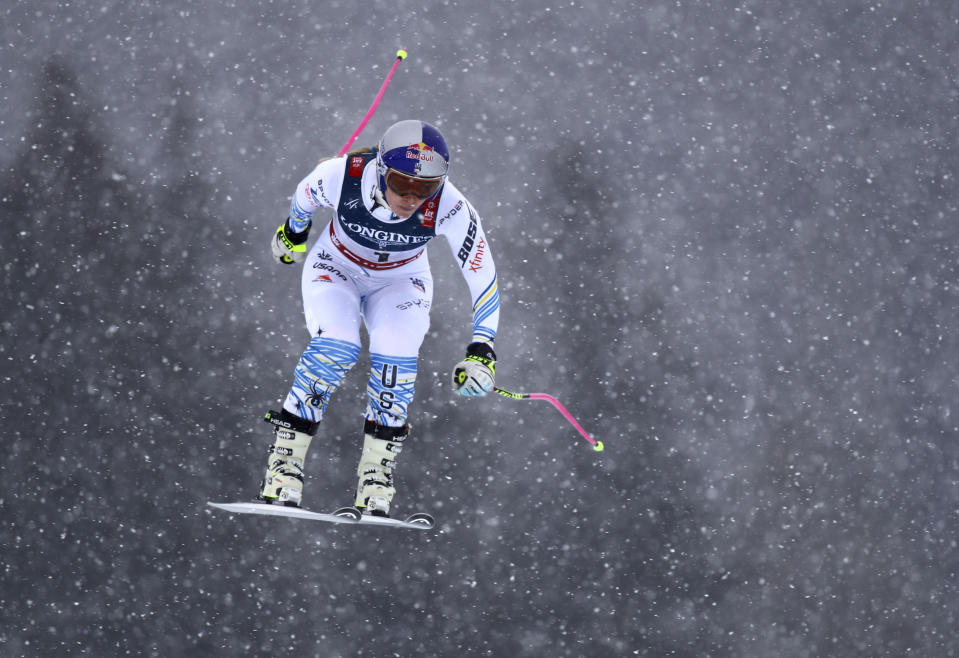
column 475, row 375
column 289, row 247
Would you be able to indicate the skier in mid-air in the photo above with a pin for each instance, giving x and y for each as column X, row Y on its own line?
column 369, row 264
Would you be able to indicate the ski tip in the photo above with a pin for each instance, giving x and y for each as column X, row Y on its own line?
column 598, row 447
column 348, row 513
column 401, row 54
column 421, row 518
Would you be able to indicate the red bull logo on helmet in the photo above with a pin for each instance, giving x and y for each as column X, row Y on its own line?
column 420, row 151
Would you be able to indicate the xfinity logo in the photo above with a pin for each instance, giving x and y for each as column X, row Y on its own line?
column 476, row 264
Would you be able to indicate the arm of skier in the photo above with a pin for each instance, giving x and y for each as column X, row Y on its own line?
column 320, row 189
column 474, row 375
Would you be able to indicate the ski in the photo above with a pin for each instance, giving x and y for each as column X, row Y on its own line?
column 344, row 515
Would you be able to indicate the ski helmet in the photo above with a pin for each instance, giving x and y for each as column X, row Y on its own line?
column 412, row 158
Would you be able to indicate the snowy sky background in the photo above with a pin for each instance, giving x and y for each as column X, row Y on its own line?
column 726, row 239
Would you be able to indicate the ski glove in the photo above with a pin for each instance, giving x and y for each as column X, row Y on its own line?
column 289, row 247
column 474, row 375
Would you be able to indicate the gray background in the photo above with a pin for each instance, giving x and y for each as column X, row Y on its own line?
column 726, row 237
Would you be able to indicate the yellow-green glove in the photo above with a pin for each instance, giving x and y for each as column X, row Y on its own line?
column 289, row 247
column 475, row 375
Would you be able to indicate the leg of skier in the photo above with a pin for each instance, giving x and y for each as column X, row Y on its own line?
column 397, row 318
column 331, row 303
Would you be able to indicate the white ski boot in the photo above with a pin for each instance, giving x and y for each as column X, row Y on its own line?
column 375, row 490
column 283, row 482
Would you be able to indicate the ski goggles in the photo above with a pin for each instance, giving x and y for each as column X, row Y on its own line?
column 404, row 185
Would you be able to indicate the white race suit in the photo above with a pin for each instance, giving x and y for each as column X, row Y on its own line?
column 370, row 265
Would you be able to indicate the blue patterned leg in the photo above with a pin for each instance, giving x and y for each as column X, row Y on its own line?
column 318, row 374
column 390, row 389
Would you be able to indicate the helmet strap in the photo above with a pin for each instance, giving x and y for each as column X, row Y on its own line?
column 379, row 198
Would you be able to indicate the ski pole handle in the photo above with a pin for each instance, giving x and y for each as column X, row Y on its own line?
column 400, row 56
column 597, row 445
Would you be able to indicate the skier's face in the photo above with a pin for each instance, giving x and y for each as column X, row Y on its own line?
column 403, row 206
column 405, row 194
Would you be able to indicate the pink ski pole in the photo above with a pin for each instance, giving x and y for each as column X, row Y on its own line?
column 400, row 56
column 597, row 445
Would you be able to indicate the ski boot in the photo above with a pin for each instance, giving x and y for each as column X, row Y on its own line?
column 283, row 482
column 381, row 444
